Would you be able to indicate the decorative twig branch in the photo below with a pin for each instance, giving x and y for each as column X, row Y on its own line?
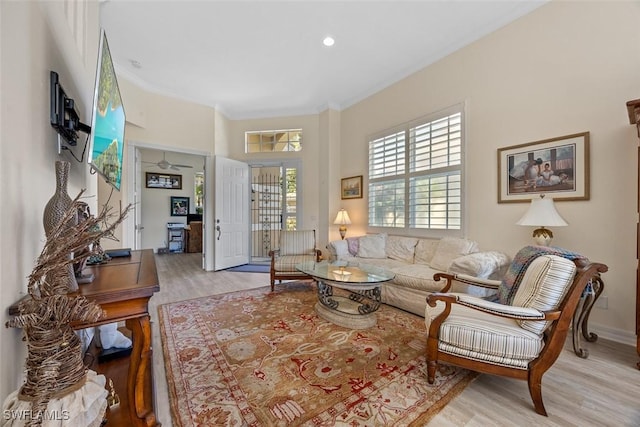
column 55, row 361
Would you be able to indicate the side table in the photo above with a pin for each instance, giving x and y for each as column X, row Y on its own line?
column 590, row 295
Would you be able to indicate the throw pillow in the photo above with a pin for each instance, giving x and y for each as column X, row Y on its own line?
column 425, row 250
column 353, row 243
column 401, row 248
column 544, row 285
column 342, row 249
column 372, row 246
column 450, row 248
column 480, row 264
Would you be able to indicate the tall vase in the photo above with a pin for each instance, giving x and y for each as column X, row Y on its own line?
column 54, row 211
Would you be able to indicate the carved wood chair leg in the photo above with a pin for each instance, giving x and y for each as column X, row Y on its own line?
column 432, row 365
column 535, row 390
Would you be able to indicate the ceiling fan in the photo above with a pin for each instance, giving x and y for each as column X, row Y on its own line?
column 165, row 164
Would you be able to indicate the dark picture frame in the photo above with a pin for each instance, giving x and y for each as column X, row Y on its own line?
column 351, row 187
column 557, row 167
column 163, row 180
column 179, row 206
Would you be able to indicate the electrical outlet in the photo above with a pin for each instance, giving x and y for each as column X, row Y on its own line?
column 602, row 302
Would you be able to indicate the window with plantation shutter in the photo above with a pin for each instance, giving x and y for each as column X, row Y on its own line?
column 415, row 174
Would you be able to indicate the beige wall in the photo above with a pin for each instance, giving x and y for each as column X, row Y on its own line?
column 567, row 67
column 329, row 181
column 166, row 121
column 34, row 39
column 312, row 165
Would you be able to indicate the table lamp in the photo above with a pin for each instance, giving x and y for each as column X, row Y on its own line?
column 542, row 213
column 343, row 220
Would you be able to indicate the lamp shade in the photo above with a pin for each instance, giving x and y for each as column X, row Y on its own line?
column 542, row 213
column 342, row 218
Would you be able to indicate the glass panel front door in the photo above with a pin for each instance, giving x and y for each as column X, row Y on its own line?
column 274, row 207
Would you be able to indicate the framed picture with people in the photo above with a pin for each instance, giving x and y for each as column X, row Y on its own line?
column 179, row 206
column 557, row 167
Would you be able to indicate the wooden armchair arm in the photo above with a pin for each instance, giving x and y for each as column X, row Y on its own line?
column 316, row 252
column 466, row 279
column 493, row 308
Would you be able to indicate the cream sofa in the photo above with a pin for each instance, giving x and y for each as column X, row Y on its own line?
column 414, row 262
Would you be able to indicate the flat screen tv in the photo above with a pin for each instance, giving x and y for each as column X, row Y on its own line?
column 106, row 141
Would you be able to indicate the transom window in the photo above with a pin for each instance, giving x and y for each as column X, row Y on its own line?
column 268, row 141
column 415, row 174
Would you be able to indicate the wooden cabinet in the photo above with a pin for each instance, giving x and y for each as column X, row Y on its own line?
column 194, row 237
column 633, row 108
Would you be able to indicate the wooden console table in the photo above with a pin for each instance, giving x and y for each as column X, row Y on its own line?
column 123, row 287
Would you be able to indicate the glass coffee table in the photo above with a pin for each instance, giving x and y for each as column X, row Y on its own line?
column 356, row 308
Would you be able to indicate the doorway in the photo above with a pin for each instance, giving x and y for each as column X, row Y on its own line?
column 148, row 227
column 275, row 206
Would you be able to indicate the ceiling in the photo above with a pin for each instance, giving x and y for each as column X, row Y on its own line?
column 265, row 58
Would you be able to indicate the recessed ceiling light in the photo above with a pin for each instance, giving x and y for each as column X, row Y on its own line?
column 328, row 41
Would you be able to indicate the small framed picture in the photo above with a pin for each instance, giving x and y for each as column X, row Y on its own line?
column 179, row 206
column 163, row 180
column 351, row 188
column 558, row 167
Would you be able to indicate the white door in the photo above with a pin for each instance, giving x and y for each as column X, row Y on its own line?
column 231, row 228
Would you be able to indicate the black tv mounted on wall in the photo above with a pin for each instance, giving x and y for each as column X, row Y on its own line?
column 64, row 117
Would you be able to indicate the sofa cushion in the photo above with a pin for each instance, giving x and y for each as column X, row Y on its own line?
column 287, row 263
column 481, row 264
column 544, row 285
column 401, row 248
column 386, row 263
column 417, row 276
column 372, row 246
column 450, row 248
column 425, row 249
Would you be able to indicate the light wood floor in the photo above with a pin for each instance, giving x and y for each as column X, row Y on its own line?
column 603, row 390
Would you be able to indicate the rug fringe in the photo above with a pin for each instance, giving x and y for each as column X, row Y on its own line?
column 434, row 409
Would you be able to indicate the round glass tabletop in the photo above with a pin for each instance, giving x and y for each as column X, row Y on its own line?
column 344, row 272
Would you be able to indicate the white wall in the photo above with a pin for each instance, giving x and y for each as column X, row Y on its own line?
column 34, row 39
column 156, row 201
column 567, row 67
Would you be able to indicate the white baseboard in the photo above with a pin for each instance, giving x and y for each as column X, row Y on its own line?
column 613, row 334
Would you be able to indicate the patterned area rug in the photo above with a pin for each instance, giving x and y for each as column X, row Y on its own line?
column 256, row 358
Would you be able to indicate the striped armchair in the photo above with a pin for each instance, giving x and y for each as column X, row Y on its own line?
column 295, row 247
column 519, row 340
